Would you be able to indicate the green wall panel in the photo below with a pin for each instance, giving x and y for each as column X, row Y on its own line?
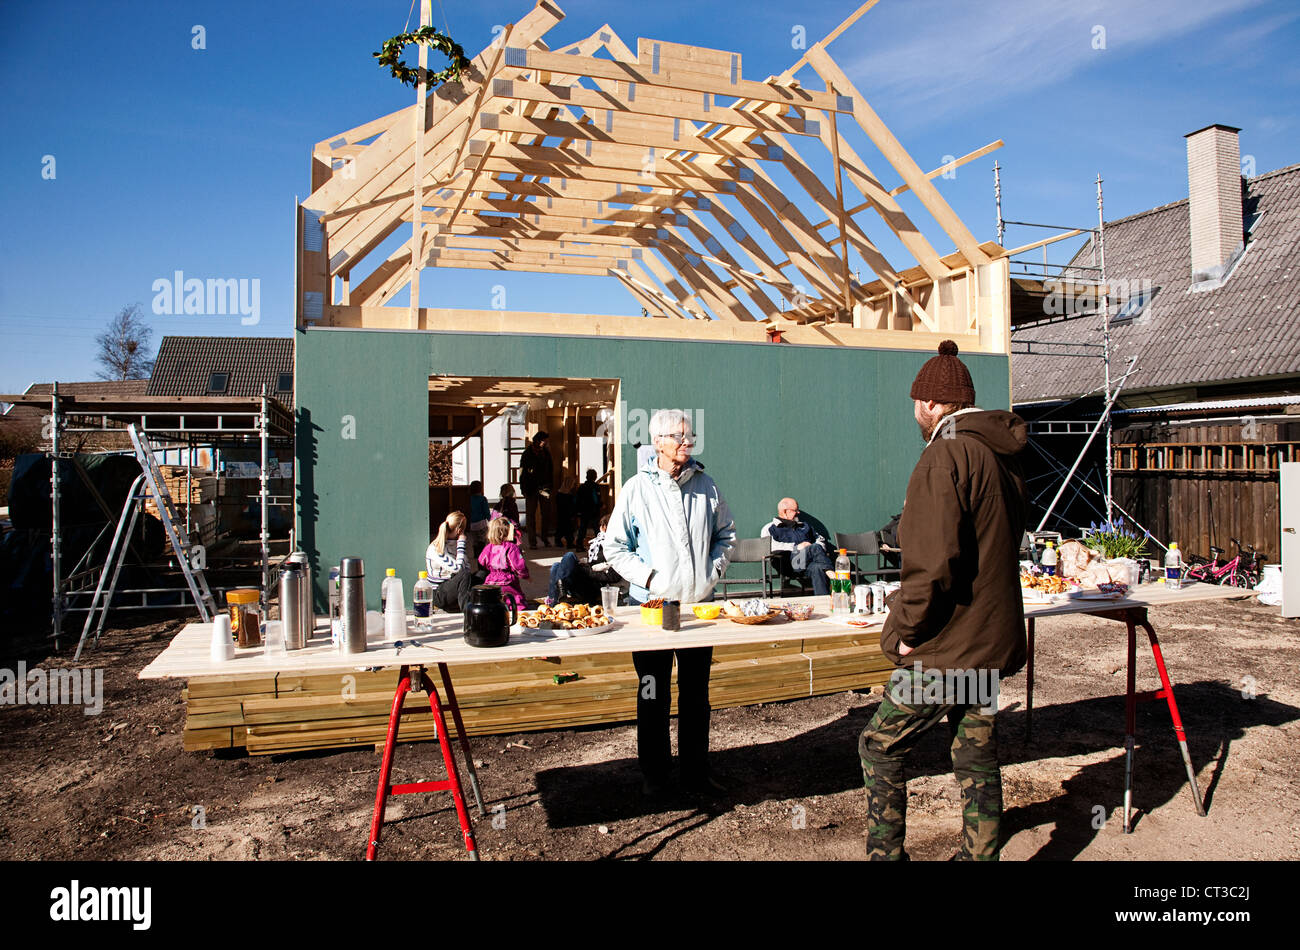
column 832, row 426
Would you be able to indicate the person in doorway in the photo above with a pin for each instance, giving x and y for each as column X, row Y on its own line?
column 798, row 550
column 958, row 609
column 508, row 508
column 504, row 563
column 536, row 473
column 671, row 535
column 588, row 504
column 566, row 510
column 479, row 515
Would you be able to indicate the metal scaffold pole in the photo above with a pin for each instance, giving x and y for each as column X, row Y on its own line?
column 266, row 553
column 56, row 544
column 997, row 200
column 1104, row 292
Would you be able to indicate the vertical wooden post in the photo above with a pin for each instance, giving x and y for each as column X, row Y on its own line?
column 839, row 200
column 421, row 106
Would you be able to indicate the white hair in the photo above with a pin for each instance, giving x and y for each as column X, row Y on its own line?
column 667, row 421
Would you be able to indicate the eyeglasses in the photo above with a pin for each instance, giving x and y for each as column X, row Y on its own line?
column 678, row 438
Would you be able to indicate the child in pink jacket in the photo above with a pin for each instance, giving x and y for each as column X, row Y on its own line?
column 504, row 563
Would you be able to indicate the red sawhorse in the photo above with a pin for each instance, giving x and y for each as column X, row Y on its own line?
column 1133, row 617
column 413, row 677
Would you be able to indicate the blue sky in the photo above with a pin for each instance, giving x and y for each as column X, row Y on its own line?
column 168, row 158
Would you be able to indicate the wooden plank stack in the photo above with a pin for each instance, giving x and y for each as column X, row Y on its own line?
column 287, row 712
column 201, row 492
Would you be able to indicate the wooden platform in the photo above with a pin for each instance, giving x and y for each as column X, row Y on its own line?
column 289, row 712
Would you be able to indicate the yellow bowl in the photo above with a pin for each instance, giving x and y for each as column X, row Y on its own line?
column 707, row 611
column 654, row 616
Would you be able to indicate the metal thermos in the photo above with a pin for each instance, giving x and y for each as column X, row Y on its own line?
column 305, row 602
column 295, row 634
column 352, row 605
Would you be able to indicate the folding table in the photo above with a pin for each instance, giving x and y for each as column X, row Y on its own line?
column 1132, row 612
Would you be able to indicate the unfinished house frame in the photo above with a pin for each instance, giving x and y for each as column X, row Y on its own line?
column 786, row 296
column 632, row 167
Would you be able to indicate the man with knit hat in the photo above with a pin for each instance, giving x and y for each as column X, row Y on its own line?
column 957, row 618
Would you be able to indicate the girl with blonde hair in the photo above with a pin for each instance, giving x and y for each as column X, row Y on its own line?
column 504, row 562
column 447, row 552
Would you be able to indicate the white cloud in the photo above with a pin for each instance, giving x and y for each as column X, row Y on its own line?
column 935, row 53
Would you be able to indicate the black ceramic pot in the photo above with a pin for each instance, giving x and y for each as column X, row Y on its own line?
column 487, row 617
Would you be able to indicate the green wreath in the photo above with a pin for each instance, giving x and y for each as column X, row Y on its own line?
column 391, row 56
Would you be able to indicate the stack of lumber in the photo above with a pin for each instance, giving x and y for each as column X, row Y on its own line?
column 291, row 712
column 201, row 492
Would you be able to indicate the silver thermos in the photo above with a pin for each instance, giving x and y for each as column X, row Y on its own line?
column 295, row 633
column 352, row 605
column 305, row 602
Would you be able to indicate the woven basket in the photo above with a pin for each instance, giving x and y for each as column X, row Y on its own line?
column 761, row 618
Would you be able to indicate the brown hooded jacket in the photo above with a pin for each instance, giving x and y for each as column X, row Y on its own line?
column 959, row 605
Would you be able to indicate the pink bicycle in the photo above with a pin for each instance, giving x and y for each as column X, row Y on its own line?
column 1241, row 571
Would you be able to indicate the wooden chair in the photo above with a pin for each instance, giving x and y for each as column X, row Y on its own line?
column 866, row 544
column 750, row 551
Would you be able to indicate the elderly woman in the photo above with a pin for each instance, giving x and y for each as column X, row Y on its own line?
column 671, row 535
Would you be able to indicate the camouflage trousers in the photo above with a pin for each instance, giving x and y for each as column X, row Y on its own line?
column 884, row 744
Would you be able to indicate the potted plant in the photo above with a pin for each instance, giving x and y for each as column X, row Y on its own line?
column 1116, row 540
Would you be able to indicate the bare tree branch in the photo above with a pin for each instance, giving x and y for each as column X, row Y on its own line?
column 124, row 346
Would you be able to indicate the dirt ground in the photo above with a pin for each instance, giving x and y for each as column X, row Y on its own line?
column 118, row 785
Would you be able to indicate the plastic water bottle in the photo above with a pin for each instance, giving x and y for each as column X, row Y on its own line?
column 389, row 576
column 394, row 608
column 1049, row 560
column 1173, row 567
column 423, row 598
column 841, row 586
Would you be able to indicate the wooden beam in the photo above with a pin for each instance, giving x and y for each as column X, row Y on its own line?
column 672, row 79
column 898, row 157
column 954, row 164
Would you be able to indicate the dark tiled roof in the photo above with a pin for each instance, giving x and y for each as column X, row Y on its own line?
column 32, row 415
column 184, row 364
column 1247, row 328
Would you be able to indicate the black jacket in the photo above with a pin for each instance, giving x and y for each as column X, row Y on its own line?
column 535, row 470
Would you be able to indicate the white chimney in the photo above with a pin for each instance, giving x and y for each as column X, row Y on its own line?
column 1214, row 193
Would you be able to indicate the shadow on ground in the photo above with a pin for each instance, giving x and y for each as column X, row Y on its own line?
column 824, row 761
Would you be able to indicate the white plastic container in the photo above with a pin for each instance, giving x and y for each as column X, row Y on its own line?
column 394, row 609
column 223, row 644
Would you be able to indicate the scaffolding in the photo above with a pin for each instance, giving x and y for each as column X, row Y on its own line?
column 185, row 423
column 1066, row 277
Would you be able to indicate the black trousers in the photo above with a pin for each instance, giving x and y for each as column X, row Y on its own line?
column 653, row 700
column 452, row 594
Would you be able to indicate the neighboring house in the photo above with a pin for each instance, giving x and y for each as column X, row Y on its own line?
column 28, row 417
column 224, row 366
column 1205, row 303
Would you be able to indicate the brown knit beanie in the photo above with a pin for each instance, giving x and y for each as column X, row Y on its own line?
column 944, row 378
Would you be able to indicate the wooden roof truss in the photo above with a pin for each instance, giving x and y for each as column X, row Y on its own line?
column 594, row 159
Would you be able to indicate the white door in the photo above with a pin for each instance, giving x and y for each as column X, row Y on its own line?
column 1290, row 518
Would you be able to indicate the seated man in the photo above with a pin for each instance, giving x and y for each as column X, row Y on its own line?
column 802, row 551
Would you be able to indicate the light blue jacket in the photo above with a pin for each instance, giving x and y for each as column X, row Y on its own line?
column 680, row 528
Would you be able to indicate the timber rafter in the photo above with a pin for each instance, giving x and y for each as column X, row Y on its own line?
column 652, row 167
